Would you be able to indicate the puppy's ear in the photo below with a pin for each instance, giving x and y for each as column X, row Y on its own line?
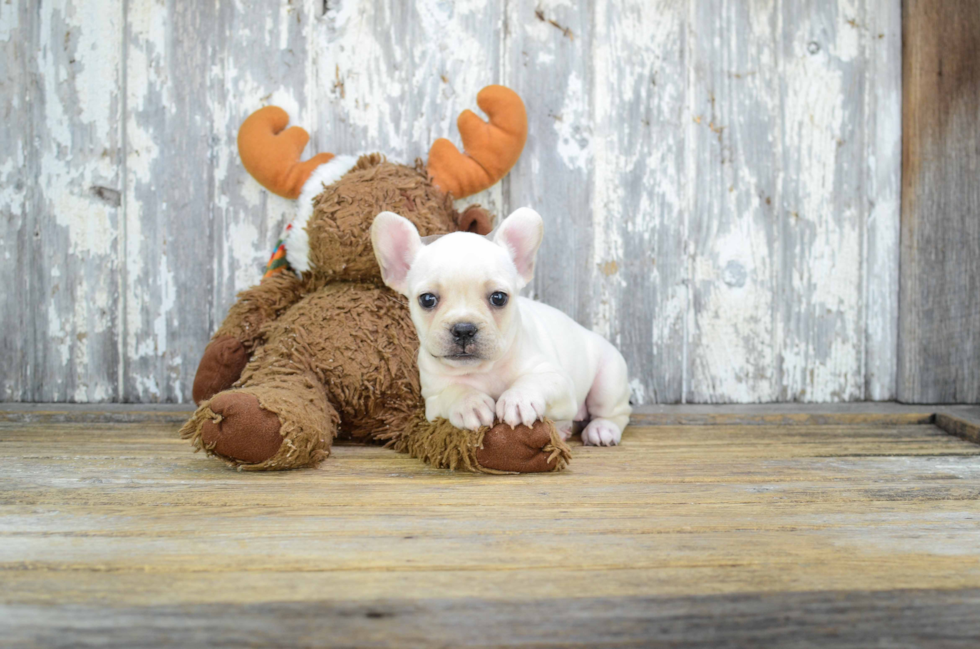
column 396, row 242
column 520, row 234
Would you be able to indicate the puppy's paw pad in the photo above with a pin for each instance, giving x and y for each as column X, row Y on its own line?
column 516, row 407
column 601, row 432
column 472, row 412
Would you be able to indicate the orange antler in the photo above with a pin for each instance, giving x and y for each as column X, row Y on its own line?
column 271, row 154
column 491, row 149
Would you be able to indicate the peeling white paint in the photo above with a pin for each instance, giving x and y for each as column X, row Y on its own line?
column 827, row 273
column 88, row 221
column 851, row 28
column 574, row 136
column 397, row 96
column 245, row 244
column 638, row 391
column 148, row 88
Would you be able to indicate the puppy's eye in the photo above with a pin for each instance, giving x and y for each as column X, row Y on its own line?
column 428, row 301
column 498, row 298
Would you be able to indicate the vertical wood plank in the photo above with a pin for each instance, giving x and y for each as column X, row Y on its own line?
column 780, row 212
column 392, row 77
column 819, row 319
column 76, row 211
column 169, row 196
column 18, row 171
column 882, row 195
column 733, row 132
column 939, row 319
column 547, row 61
column 263, row 55
column 638, row 268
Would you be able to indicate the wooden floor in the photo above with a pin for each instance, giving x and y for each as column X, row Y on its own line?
column 864, row 530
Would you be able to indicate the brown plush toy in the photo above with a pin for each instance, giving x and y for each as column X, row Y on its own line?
column 320, row 348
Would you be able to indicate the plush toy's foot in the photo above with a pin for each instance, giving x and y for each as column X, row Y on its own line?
column 500, row 449
column 241, row 429
column 283, row 424
column 537, row 449
column 222, row 364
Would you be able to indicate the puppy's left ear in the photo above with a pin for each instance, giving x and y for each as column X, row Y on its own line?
column 396, row 242
column 520, row 235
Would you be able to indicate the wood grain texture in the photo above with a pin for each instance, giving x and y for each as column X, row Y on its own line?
column 930, row 618
column 882, row 196
column 904, row 618
column 18, row 171
column 719, row 179
column 939, row 325
column 683, row 533
column 967, row 428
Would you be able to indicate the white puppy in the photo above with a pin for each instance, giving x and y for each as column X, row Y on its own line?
column 485, row 350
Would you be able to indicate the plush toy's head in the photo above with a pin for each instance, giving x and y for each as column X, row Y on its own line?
column 339, row 196
column 337, row 233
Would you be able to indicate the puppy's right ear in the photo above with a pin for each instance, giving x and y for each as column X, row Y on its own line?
column 396, row 243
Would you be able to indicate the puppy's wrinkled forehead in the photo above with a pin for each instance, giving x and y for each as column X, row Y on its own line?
column 462, row 257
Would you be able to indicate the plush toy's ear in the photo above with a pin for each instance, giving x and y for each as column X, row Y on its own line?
column 396, row 242
column 521, row 234
column 476, row 219
column 491, row 149
column 271, row 154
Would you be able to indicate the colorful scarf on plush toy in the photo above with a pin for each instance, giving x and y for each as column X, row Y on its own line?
column 292, row 250
column 277, row 262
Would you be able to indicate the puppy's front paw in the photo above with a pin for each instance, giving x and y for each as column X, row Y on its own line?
column 516, row 407
column 601, row 432
column 472, row 411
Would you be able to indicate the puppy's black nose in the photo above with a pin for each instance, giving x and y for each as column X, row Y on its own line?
column 464, row 331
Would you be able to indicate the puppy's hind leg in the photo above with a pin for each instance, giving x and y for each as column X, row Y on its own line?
column 608, row 402
column 565, row 428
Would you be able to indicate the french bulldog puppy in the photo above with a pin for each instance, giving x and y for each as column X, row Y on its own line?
column 487, row 351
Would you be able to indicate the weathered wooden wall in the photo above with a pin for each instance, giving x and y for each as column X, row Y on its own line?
column 720, row 178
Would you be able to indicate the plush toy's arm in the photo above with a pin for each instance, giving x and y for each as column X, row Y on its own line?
column 260, row 304
column 233, row 343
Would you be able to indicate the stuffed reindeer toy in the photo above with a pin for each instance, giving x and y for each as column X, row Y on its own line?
column 320, row 349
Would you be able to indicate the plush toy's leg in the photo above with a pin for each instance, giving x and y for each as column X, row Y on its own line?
column 278, row 419
column 500, row 449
